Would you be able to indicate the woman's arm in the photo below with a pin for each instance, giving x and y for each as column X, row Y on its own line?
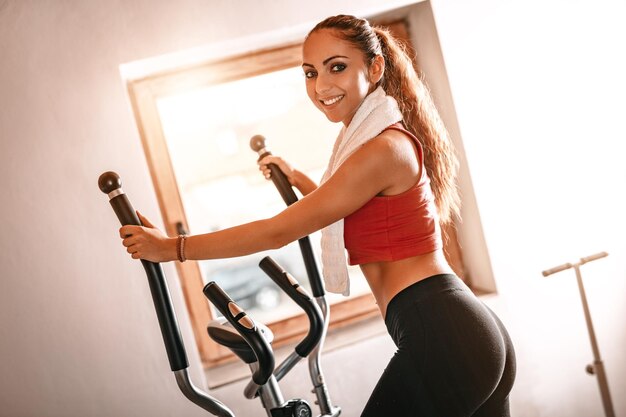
column 372, row 169
column 304, row 183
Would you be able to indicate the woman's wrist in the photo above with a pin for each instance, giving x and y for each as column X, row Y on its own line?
column 171, row 251
column 181, row 241
column 302, row 182
column 296, row 178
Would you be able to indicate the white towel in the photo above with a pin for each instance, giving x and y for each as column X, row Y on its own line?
column 375, row 114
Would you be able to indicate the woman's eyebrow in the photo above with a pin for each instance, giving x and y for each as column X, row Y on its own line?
column 333, row 57
column 304, row 64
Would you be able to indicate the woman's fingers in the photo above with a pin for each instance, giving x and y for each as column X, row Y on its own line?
column 131, row 244
column 145, row 221
column 270, row 159
column 279, row 162
column 133, row 247
column 276, row 160
column 132, row 236
column 146, row 242
column 128, row 230
column 267, row 173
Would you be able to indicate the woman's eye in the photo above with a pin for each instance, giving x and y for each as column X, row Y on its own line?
column 309, row 74
column 338, row 67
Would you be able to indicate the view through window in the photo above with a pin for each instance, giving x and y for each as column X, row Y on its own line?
column 207, row 131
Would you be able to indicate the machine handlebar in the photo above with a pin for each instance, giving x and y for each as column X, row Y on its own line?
column 111, row 184
column 257, row 144
column 246, row 327
column 298, row 294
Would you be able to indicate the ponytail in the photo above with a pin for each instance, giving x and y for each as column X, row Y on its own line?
column 421, row 118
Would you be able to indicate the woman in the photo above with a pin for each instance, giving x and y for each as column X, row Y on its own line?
column 389, row 185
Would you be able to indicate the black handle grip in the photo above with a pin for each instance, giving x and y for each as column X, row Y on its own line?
column 310, row 264
column 290, row 286
column 246, row 327
column 282, row 184
column 257, row 144
column 110, row 183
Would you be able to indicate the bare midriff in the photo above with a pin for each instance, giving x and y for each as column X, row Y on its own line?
column 386, row 279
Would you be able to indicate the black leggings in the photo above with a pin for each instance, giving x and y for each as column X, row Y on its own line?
column 454, row 357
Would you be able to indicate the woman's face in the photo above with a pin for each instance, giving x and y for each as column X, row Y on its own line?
column 337, row 76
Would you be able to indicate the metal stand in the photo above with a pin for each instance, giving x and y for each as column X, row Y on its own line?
column 597, row 367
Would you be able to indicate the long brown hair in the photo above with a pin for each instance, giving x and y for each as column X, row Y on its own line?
column 402, row 82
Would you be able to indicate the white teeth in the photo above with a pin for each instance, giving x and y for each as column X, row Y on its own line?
column 332, row 100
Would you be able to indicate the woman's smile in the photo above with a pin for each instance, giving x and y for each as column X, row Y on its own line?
column 332, row 100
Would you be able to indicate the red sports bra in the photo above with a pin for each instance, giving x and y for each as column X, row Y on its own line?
column 389, row 228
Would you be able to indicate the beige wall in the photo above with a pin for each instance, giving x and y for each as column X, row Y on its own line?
column 78, row 335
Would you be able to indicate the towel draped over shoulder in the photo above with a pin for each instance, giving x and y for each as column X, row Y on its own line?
column 377, row 112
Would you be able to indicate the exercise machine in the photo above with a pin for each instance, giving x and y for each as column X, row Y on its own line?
column 249, row 340
column 258, row 145
column 234, row 337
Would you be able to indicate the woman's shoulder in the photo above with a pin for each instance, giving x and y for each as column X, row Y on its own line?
column 391, row 151
column 399, row 156
column 394, row 139
column 398, row 130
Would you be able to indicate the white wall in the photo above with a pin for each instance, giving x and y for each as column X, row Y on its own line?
column 539, row 93
column 78, row 335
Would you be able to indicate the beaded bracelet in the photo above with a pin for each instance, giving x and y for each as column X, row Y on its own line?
column 180, row 248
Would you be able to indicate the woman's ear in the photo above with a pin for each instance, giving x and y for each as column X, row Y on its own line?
column 377, row 69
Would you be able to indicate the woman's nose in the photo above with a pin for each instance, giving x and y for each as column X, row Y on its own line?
column 322, row 85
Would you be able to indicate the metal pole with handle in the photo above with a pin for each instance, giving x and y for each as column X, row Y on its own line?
column 597, row 367
column 111, row 184
column 257, row 144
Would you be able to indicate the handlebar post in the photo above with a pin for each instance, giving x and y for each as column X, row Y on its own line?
column 111, row 184
column 257, row 144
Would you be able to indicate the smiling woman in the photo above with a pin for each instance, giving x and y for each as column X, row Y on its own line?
column 196, row 140
column 195, row 128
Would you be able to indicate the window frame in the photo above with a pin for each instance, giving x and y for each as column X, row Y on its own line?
column 144, row 94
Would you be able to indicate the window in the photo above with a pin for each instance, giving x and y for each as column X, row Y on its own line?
column 195, row 125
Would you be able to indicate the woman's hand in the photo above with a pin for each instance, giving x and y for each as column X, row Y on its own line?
column 147, row 242
column 285, row 167
column 296, row 178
